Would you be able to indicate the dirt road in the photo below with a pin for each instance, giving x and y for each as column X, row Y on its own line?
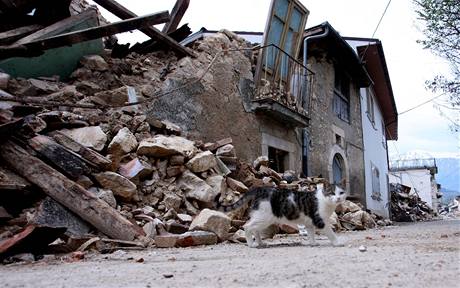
column 409, row 255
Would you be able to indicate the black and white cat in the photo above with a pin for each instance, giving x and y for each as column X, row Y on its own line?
column 284, row 206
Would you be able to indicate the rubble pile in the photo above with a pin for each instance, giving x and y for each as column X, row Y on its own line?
column 451, row 210
column 79, row 160
column 407, row 207
column 352, row 216
column 83, row 167
column 83, row 136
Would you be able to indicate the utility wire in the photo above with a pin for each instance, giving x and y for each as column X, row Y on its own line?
column 375, row 30
column 423, row 103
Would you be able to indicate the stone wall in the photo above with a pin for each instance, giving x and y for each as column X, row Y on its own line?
column 324, row 126
column 218, row 105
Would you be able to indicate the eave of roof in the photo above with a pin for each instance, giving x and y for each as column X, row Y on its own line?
column 374, row 61
column 334, row 44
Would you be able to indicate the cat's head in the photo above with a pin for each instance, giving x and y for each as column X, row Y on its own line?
column 335, row 193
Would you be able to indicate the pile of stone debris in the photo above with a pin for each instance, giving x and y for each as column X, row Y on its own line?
column 406, row 206
column 451, row 210
column 352, row 216
column 82, row 166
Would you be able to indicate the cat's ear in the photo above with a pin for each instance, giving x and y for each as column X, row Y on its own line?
column 343, row 183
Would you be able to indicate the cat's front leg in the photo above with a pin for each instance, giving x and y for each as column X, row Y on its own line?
column 311, row 235
column 249, row 239
column 258, row 240
column 327, row 230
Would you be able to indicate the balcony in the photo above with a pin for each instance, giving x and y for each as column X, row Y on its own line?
column 414, row 164
column 283, row 87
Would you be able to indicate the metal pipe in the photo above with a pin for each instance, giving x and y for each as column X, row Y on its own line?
column 305, row 55
column 305, row 138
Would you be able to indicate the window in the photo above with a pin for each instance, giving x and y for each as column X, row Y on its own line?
column 375, row 183
column 279, row 159
column 287, row 21
column 337, row 168
column 338, row 140
column 370, row 105
column 285, row 29
column 341, row 100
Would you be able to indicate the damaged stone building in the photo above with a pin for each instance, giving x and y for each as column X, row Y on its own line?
column 323, row 137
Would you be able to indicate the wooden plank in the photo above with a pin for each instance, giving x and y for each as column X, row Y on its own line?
column 123, row 13
column 10, row 36
column 10, row 181
column 82, row 35
column 69, row 162
column 59, row 27
column 69, row 194
column 89, row 155
column 176, row 15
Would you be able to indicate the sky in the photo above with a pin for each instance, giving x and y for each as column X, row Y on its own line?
column 422, row 129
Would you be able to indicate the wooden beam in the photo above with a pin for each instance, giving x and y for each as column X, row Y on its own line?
column 10, row 36
column 68, row 162
column 69, row 194
column 84, row 35
column 59, row 27
column 123, row 13
column 176, row 15
column 89, row 155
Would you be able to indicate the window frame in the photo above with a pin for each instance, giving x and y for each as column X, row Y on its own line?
column 342, row 91
column 274, row 66
column 375, row 179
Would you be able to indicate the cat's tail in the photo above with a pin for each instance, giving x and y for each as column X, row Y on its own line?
column 248, row 196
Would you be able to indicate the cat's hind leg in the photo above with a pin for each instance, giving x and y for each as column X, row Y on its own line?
column 258, row 222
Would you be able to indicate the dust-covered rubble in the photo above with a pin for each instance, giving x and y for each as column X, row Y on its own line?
column 151, row 178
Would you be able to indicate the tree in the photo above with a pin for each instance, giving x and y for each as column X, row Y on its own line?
column 442, row 36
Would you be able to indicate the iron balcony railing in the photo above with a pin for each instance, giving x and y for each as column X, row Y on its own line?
column 408, row 164
column 284, row 79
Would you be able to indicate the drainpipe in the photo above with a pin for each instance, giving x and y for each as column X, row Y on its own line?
column 305, row 55
column 305, row 138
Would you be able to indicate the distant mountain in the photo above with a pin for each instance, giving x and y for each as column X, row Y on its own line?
column 448, row 176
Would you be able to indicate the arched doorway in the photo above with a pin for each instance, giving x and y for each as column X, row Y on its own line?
column 338, row 168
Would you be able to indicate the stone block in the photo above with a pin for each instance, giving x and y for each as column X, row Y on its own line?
column 202, row 162
column 195, row 188
column 94, row 62
column 123, row 143
column 236, row 185
column 92, row 137
column 213, row 221
column 164, row 146
column 120, row 186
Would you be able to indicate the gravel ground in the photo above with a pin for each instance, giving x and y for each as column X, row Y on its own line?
column 407, row 255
